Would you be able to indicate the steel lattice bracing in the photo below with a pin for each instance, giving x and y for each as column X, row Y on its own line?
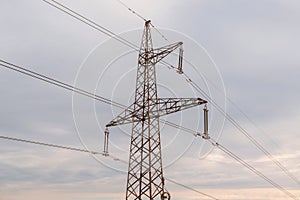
column 145, row 173
column 165, row 106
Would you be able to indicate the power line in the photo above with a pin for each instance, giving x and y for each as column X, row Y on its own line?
column 85, row 93
column 238, row 126
column 131, row 10
column 129, row 44
column 91, row 23
column 55, row 82
column 245, row 132
column 260, row 174
column 50, row 145
column 283, row 168
column 214, row 143
column 109, row 33
column 58, row 83
column 96, row 153
column 188, row 130
column 238, row 159
column 88, row 94
column 192, row 189
column 141, row 17
column 97, row 26
column 126, row 42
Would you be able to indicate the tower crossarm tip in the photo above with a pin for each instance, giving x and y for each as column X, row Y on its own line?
column 171, row 105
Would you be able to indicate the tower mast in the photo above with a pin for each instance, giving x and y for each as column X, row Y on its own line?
column 145, row 170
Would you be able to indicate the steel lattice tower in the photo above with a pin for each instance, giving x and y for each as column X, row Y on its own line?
column 145, row 171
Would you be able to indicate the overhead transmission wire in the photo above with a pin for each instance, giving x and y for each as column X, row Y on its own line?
column 90, row 23
column 251, row 168
column 55, row 82
column 104, row 100
column 58, row 83
column 114, row 158
column 112, row 35
column 245, row 132
column 244, row 163
column 131, row 10
column 51, row 145
column 131, row 45
column 126, row 42
column 141, row 17
column 221, row 147
column 190, row 188
column 255, row 142
column 236, row 124
column 283, row 168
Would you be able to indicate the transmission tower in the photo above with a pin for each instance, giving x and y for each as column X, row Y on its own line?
column 145, row 178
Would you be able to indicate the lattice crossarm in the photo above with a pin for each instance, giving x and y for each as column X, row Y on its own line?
column 156, row 55
column 125, row 117
column 171, row 105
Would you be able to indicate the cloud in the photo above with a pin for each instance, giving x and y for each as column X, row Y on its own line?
column 255, row 45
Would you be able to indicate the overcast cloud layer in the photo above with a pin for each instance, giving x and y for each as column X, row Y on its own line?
column 255, row 45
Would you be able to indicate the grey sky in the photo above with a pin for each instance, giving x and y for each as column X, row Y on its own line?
column 254, row 44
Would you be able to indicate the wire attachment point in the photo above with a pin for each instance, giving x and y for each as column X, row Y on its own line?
column 205, row 133
column 106, row 135
column 179, row 70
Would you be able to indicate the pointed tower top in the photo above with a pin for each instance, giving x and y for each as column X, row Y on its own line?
column 147, row 22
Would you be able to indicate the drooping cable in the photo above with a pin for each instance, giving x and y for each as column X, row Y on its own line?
column 283, row 168
column 188, row 130
column 213, row 142
column 55, row 82
column 192, row 189
column 114, row 158
column 127, row 43
column 77, row 16
column 90, row 23
column 252, row 169
column 245, row 133
column 143, row 18
column 131, row 10
column 50, row 145
column 238, row 126
column 58, row 83
column 83, row 92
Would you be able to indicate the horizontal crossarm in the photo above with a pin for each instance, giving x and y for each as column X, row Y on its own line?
column 125, row 117
column 171, row 105
column 156, row 55
column 164, row 107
